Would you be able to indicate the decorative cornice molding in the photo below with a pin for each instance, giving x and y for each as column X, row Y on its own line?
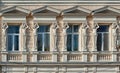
column 105, row 8
column 14, row 8
column 46, row 8
column 77, row 8
column 60, row 2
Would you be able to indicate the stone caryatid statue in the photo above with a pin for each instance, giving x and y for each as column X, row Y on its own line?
column 4, row 28
column 54, row 28
column 95, row 27
column 115, row 26
column 34, row 28
column 84, row 38
column 24, row 26
column 64, row 29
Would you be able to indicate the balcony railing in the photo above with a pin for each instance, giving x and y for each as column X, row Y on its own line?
column 74, row 57
column 14, row 57
column 65, row 57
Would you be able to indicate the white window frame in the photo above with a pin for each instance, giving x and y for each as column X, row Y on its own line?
column 43, row 40
column 13, row 40
column 74, row 33
column 103, row 39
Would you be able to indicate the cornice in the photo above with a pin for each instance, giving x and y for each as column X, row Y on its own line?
column 61, row 2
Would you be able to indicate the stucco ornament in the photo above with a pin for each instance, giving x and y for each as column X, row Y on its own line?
column 64, row 28
column 55, row 26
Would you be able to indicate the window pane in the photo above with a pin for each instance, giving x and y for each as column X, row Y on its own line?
column 40, row 29
column 99, row 42
column 47, row 42
column 103, row 28
column 13, row 29
column 69, row 42
column 76, row 28
column 75, row 42
column 39, row 42
column 16, row 42
column 9, row 42
column 43, row 28
column 106, row 41
column 46, row 28
column 69, row 30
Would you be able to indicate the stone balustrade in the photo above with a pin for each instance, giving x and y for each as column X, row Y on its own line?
column 104, row 57
column 14, row 57
column 74, row 57
column 52, row 57
column 44, row 57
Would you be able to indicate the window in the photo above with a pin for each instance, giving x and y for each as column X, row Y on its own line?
column 13, row 38
column 72, row 38
column 43, row 38
column 103, row 38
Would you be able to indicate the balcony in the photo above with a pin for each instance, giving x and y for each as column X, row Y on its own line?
column 54, row 56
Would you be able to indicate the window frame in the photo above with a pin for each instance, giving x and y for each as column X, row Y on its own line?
column 43, row 38
column 13, row 38
column 103, row 37
column 73, row 33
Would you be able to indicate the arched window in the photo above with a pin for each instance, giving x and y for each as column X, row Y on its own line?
column 43, row 38
column 72, row 38
column 103, row 38
column 13, row 38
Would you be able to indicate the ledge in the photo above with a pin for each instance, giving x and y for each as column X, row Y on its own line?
column 58, row 2
column 60, row 63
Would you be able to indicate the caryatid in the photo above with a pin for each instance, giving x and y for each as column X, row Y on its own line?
column 4, row 28
column 84, row 32
column 55, row 26
column 34, row 28
column 115, row 26
column 64, row 28
column 24, row 26
column 95, row 27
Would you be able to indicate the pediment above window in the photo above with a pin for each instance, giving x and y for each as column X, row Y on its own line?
column 77, row 10
column 107, row 10
column 46, row 10
column 14, row 10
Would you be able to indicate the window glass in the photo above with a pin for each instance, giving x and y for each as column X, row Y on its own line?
column 43, row 39
column 13, row 38
column 103, row 38
column 72, row 38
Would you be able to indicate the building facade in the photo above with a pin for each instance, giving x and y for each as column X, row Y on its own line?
column 52, row 36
